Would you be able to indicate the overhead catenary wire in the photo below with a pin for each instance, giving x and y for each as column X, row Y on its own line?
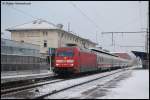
column 87, row 17
column 129, row 23
column 140, row 14
column 33, row 17
column 25, row 13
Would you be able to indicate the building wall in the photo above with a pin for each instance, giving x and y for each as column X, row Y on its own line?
column 54, row 38
column 37, row 37
column 69, row 38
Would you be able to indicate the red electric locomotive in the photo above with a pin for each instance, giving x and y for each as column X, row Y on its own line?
column 78, row 60
column 74, row 60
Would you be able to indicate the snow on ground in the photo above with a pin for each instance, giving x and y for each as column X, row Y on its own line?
column 49, row 88
column 132, row 84
column 86, row 90
column 134, row 87
column 12, row 76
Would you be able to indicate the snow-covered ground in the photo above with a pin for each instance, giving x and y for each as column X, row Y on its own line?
column 50, row 88
column 13, row 76
column 133, row 84
column 134, row 87
column 129, row 84
column 85, row 90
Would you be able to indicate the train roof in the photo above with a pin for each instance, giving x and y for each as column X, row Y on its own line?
column 97, row 50
column 92, row 49
column 123, row 55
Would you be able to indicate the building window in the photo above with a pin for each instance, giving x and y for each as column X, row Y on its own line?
column 21, row 34
column 67, row 37
column 45, row 43
column 70, row 37
column 45, row 33
column 22, row 41
column 77, row 39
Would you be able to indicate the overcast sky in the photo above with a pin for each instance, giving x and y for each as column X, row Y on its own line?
column 86, row 18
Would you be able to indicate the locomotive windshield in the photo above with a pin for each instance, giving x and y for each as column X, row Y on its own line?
column 64, row 53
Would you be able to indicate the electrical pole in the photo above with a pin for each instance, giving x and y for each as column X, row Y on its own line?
column 112, row 33
column 128, row 46
column 147, row 36
column 69, row 27
column 96, row 37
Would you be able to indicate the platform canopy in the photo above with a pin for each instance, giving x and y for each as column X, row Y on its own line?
column 142, row 55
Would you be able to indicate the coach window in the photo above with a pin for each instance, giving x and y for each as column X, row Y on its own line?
column 100, row 59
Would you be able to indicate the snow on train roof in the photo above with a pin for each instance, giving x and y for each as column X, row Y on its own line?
column 102, row 51
column 125, row 55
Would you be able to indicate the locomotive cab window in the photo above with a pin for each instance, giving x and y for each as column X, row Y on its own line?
column 65, row 53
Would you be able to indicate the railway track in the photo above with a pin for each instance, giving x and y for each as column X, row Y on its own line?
column 14, row 84
column 26, row 84
column 18, row 86
column 21, row 88
column 72, row 86
column 49, row 88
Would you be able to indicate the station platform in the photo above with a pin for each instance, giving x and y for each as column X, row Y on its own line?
column 7, row 77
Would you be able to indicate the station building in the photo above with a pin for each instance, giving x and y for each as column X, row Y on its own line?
column 47, row 35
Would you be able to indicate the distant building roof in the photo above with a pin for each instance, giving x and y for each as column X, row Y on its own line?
column 41, row 24
column 36, row 24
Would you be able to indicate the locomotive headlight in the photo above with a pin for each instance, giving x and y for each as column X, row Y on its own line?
column 57, row 64
column 70, row 61
column 59, row 61
column 71, row 64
